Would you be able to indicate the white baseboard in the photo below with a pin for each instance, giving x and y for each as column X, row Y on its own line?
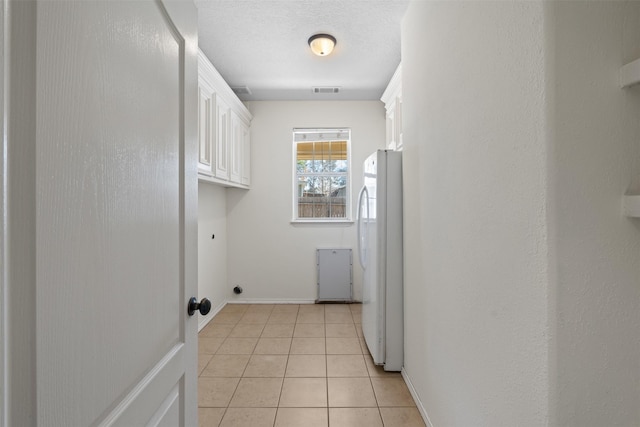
column 204, row 320
column 414, row 394
column 271, row 301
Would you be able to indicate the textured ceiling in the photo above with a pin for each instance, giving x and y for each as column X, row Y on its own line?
column 262, row 44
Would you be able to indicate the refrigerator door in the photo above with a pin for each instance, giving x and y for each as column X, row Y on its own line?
column 381, row 220
column 372, row 297
column 390, row 258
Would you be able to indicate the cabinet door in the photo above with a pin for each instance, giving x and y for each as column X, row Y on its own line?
column 205, row 128
column 246, row 155
column 397, row 129
column 236, row 148
column 222, row 139
column 391, row 127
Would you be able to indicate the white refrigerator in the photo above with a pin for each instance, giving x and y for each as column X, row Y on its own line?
column 380, row 252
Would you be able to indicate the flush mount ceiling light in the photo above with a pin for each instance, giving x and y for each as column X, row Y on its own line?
column 322, row 44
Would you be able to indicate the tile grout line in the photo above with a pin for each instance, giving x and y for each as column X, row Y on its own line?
column 284, row 374
column 362, row 353
column 326, row 367
column 239, row 379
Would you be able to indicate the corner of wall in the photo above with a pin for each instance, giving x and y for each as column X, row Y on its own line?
column 549, row 31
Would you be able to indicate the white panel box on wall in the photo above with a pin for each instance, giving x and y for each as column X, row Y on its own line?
column 335, row 275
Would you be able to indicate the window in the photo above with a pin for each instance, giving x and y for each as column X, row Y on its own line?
column 322, row 174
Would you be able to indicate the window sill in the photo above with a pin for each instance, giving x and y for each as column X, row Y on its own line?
column 342, row 222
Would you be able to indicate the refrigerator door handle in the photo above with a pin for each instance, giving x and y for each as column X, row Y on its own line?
column 361, row 236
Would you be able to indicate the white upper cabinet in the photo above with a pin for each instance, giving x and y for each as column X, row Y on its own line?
column 223, row 114
column 206, row 128
column 223, row 130
column 246, row 155
column 237, row 134
column 392, row 98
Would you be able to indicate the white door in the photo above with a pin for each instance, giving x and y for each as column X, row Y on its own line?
column 116, row 188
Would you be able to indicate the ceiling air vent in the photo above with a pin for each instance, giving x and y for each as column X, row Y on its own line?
column 242, row 90
column 326, row 89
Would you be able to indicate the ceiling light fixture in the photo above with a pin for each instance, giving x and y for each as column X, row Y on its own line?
column 322, row 44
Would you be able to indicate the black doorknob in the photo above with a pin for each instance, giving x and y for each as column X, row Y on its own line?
column 204, row 306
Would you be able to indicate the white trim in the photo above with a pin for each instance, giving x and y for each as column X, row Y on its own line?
column 173, row 356
column 294, row 188
column 204, row 320
column 393, row 88
column 416, row 399
column 271, row 301
column 165, row 406
column 323, row 221
column 208, row 73
column 3, row 225
column 318, row 134
column 221, row 182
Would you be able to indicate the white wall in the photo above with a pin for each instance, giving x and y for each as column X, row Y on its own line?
column 268, row 256
column 212, row 253
column 522, row 278
column 476, row 286
column 596, row 156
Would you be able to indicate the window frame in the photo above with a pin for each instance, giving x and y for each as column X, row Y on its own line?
column 348, row 218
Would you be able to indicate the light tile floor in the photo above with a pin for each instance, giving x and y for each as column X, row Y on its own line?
column 295, row 365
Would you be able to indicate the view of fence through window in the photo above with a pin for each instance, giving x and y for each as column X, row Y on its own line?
column 322, row 173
